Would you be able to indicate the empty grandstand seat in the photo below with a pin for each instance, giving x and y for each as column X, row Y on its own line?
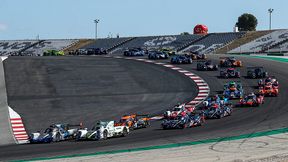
column 262, row 43
column 213, row 41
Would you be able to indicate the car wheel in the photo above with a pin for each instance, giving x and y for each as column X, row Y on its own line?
column 57, row 138
column 78, row 136
column 125, row 132
column 164, row 127
column 105, row 135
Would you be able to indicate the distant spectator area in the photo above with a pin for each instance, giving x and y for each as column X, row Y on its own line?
column 155, row 42
column 264, row 43
column 53, row 44
column 213, row 41
column 279, row 48
column 13, row 46
column 33, row 47
column 106, row 43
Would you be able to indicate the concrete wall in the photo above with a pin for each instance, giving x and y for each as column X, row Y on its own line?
column 6, row 136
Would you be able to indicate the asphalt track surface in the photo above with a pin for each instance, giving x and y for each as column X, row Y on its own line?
column 271, row 115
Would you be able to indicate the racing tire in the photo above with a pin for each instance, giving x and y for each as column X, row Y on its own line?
column 78, row 136
column 105, row 135
column 57, row 137
column 220, row 116
column 125, row 132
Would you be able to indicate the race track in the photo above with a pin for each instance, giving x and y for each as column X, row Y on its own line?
column 271, row 115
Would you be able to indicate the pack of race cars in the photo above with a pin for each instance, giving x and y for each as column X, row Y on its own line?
column 181, row 115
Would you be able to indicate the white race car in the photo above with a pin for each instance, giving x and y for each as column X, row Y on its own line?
column 102, row 130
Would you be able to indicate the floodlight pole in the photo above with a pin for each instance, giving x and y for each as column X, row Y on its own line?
column 96, row 21
column 270, row 10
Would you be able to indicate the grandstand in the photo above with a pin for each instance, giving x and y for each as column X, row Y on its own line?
column 230, row 42
column 155, row 42
column 213, row 41
column 279, row 48
column 107, row 43
column 263, row 43
column 248, row 37
column 33, row 47
column 14, row 46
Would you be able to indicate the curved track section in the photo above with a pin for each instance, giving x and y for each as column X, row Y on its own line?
column 271, row 115
column 203, row 87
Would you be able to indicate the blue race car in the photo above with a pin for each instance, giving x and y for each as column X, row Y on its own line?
column 219, row 99
column 217, row 111
column 181, row 59
column 54, row 133
column 196, row 119
column 45, row 137
column 233, row 90
column 180, row 122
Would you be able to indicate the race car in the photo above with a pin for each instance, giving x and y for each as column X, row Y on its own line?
column 217, row 111
column 134, row 52
column 95, row 51
column 169, row 114
column 181, row 59
column 157, row 55
column 229, row 73
column 53, row 53
column 197, row 56
column 230, row 62
column 268, row 81
column 218, row 99
column 55, row 133
column 269, row 90
column 196, row 119
column 103, row 130
column 206, row 66
column 179, row 109
column 256, row 72
column 233, row 90
column 168, row 51
column 80, row 51
column 183, row 121
column 180, row 122
column 135, row 121
column 251, row 100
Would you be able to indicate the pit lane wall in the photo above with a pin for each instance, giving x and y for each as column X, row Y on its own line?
column 6, row 135
column 12, row 129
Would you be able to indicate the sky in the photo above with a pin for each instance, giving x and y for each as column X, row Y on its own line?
column 69, row 19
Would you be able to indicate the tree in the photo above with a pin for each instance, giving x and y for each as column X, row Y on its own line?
column 247, row 22
column 184, row 33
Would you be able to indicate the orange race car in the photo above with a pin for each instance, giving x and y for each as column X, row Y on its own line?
column 269, row 90
column 135, row 121
column 230, row 62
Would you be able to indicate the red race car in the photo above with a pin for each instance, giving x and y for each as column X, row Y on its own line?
column 251, row 100
column 269, row 90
